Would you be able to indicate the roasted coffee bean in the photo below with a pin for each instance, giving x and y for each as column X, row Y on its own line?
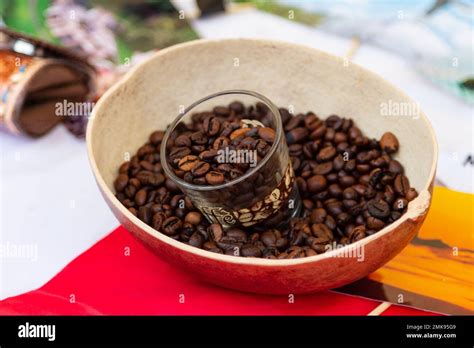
column 157, row 137
column 212, row 125
column 323, row 168
column 158, row 220
column 239, row 133
column 316, row 183
column 347, row 180
column 221, row 111
column 269, row 238
column 195, row 240
column 357, row 233
column 200, row 169
column 237, row 234
column 183, row 140
column 177, row 153
column 140, row 197
column 318, row 216
column 220, row 143
column 193, row 217
column 144, row 214
column 237, row 107
column 411, row 194
column 395, row 167
column 266, row 134
column 215, row 232
column 335, row 191
column 326, row 153
column 293, row 123
column 199, row 138
column 187, row 163
column 350, row 193
column 124, row 168
column 401, row 185
column 249, row 250
column 296, row 135
column 375, row 224
column 150, row 178
column 215, row 178
column 322, row 231
column 378, row 208
column 171, row 226
column 389, row 143
column 121, row 182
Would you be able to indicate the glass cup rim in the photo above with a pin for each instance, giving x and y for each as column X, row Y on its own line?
column 279, row 131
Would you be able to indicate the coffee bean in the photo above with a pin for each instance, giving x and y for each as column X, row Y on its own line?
column 200, row 169
column 140, row 197
column 249, row 250
column 401, row 185
column 350, row 193
column 378, row 208
column 193, row 217
column 199, row 138
column 214, row 178
column 268, row 238
column 411, row 194
column 326, row 153
column 171, row 225
column 208, row 155
column 177, row 153
column 322, row 231
column 237, row 234
column 158, row 220
column 215, row 232
column 150, row 178
column 183, row 140
column 357, row 233
column 375, row 224
column 195, row 240
column 318, row 216
column 212, row 125
column 121, row 182
column 296, row 135
column 395, row 167
column 187, row 163
column 157, row 137
column 237, row 107
column 221, row 111
column 316, row 183
column 323, row 168
column 266, row 134
column 220, row 142
column 240, row 132
column 389, row 143
column 144, row 214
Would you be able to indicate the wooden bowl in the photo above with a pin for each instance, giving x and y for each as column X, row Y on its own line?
column 151, row 95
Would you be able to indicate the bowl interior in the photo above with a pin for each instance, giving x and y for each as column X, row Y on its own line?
column 291, row 76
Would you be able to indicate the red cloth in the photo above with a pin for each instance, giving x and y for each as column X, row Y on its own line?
column 104, row 280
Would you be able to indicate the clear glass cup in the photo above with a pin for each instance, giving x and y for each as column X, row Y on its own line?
column 266, row 195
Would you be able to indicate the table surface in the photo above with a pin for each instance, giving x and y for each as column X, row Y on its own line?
column 51, row 208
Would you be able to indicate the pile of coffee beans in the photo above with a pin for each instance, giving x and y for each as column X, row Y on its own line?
column 349, row 184
column 194, row 149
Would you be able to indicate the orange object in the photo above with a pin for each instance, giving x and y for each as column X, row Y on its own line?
column 438, row 265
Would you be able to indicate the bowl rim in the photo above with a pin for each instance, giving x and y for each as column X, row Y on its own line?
column 416, row 208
